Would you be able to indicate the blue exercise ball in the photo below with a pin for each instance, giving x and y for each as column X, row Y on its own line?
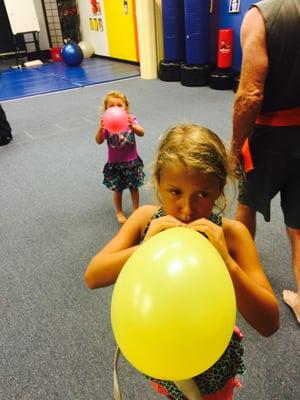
column 72, row 54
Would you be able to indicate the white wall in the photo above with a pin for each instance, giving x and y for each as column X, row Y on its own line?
column 97, row 38
column 43, row 35
column 44, row 42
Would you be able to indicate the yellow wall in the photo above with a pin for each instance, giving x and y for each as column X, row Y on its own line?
column 121, row 32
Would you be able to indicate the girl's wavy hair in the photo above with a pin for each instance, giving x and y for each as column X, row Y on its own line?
column 117, row 94
column 196, row 147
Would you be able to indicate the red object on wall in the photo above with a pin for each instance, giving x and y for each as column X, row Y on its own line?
column 94, row 6
column 225, row 48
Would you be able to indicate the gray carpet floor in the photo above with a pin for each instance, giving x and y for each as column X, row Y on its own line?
column 56, row 340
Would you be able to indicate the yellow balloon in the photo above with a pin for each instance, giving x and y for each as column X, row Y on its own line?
column 173, row 306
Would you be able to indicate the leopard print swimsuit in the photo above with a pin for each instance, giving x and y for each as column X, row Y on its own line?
column 227, row 367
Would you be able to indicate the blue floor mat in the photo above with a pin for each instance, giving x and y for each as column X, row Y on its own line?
column 56, row 76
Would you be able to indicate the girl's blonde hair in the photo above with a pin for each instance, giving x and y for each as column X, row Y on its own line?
column 118, row 95
column 196, row 147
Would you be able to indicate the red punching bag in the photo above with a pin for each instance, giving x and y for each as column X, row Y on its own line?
column 225, row 48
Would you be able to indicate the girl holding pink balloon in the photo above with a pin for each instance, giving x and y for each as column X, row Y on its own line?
column 124, row 168
column 190, row 173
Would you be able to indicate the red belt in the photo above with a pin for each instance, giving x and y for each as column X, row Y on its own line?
column 280, row 118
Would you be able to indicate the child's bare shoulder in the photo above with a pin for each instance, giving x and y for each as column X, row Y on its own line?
column 146, row 211
column 143, row 214
column 234, row 229
column 232, row 225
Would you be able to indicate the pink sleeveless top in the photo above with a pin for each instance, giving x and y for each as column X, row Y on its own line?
column 121, row 146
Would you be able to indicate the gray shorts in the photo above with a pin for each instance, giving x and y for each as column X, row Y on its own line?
column 275, row 153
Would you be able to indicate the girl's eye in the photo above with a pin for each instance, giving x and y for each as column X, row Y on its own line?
column 202, row 194
column 174, row 192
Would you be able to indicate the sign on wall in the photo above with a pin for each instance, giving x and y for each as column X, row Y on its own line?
column 22, row 16
column 234, row 6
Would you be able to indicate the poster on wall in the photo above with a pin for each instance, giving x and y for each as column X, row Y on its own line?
column 96, row 7
column 125, row 7
column 96, row 24
column 91, row 24
column 234, row 6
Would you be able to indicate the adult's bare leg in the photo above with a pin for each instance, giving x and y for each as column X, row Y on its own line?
column 247, row 216
column 290, row 297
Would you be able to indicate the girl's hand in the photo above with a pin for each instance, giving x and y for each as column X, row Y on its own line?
column 101, row 123
column 100, row 132
column 130, row 121
column 160, row 224
column 214, row 233
column 135, row 128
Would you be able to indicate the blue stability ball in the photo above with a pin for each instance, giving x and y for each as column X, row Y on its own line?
column 72, row 54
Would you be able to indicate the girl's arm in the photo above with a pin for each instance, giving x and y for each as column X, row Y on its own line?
column 255, row 298
column 135, row 127
column 105, row 267
column 100, row 137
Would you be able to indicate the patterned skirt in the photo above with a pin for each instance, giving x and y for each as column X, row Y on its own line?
column 218, row 381
column 123, row 175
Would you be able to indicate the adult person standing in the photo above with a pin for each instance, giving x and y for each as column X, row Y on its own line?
column 266, row 122
column 5, row 129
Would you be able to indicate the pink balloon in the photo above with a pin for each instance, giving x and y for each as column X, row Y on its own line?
column 115, row 119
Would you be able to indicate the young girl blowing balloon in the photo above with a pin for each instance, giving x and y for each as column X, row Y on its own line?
column 124, row 168
column 190, row 173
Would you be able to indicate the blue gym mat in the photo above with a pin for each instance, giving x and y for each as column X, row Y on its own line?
column 56, row 76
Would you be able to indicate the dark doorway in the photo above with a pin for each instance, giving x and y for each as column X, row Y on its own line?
column 7, row 44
